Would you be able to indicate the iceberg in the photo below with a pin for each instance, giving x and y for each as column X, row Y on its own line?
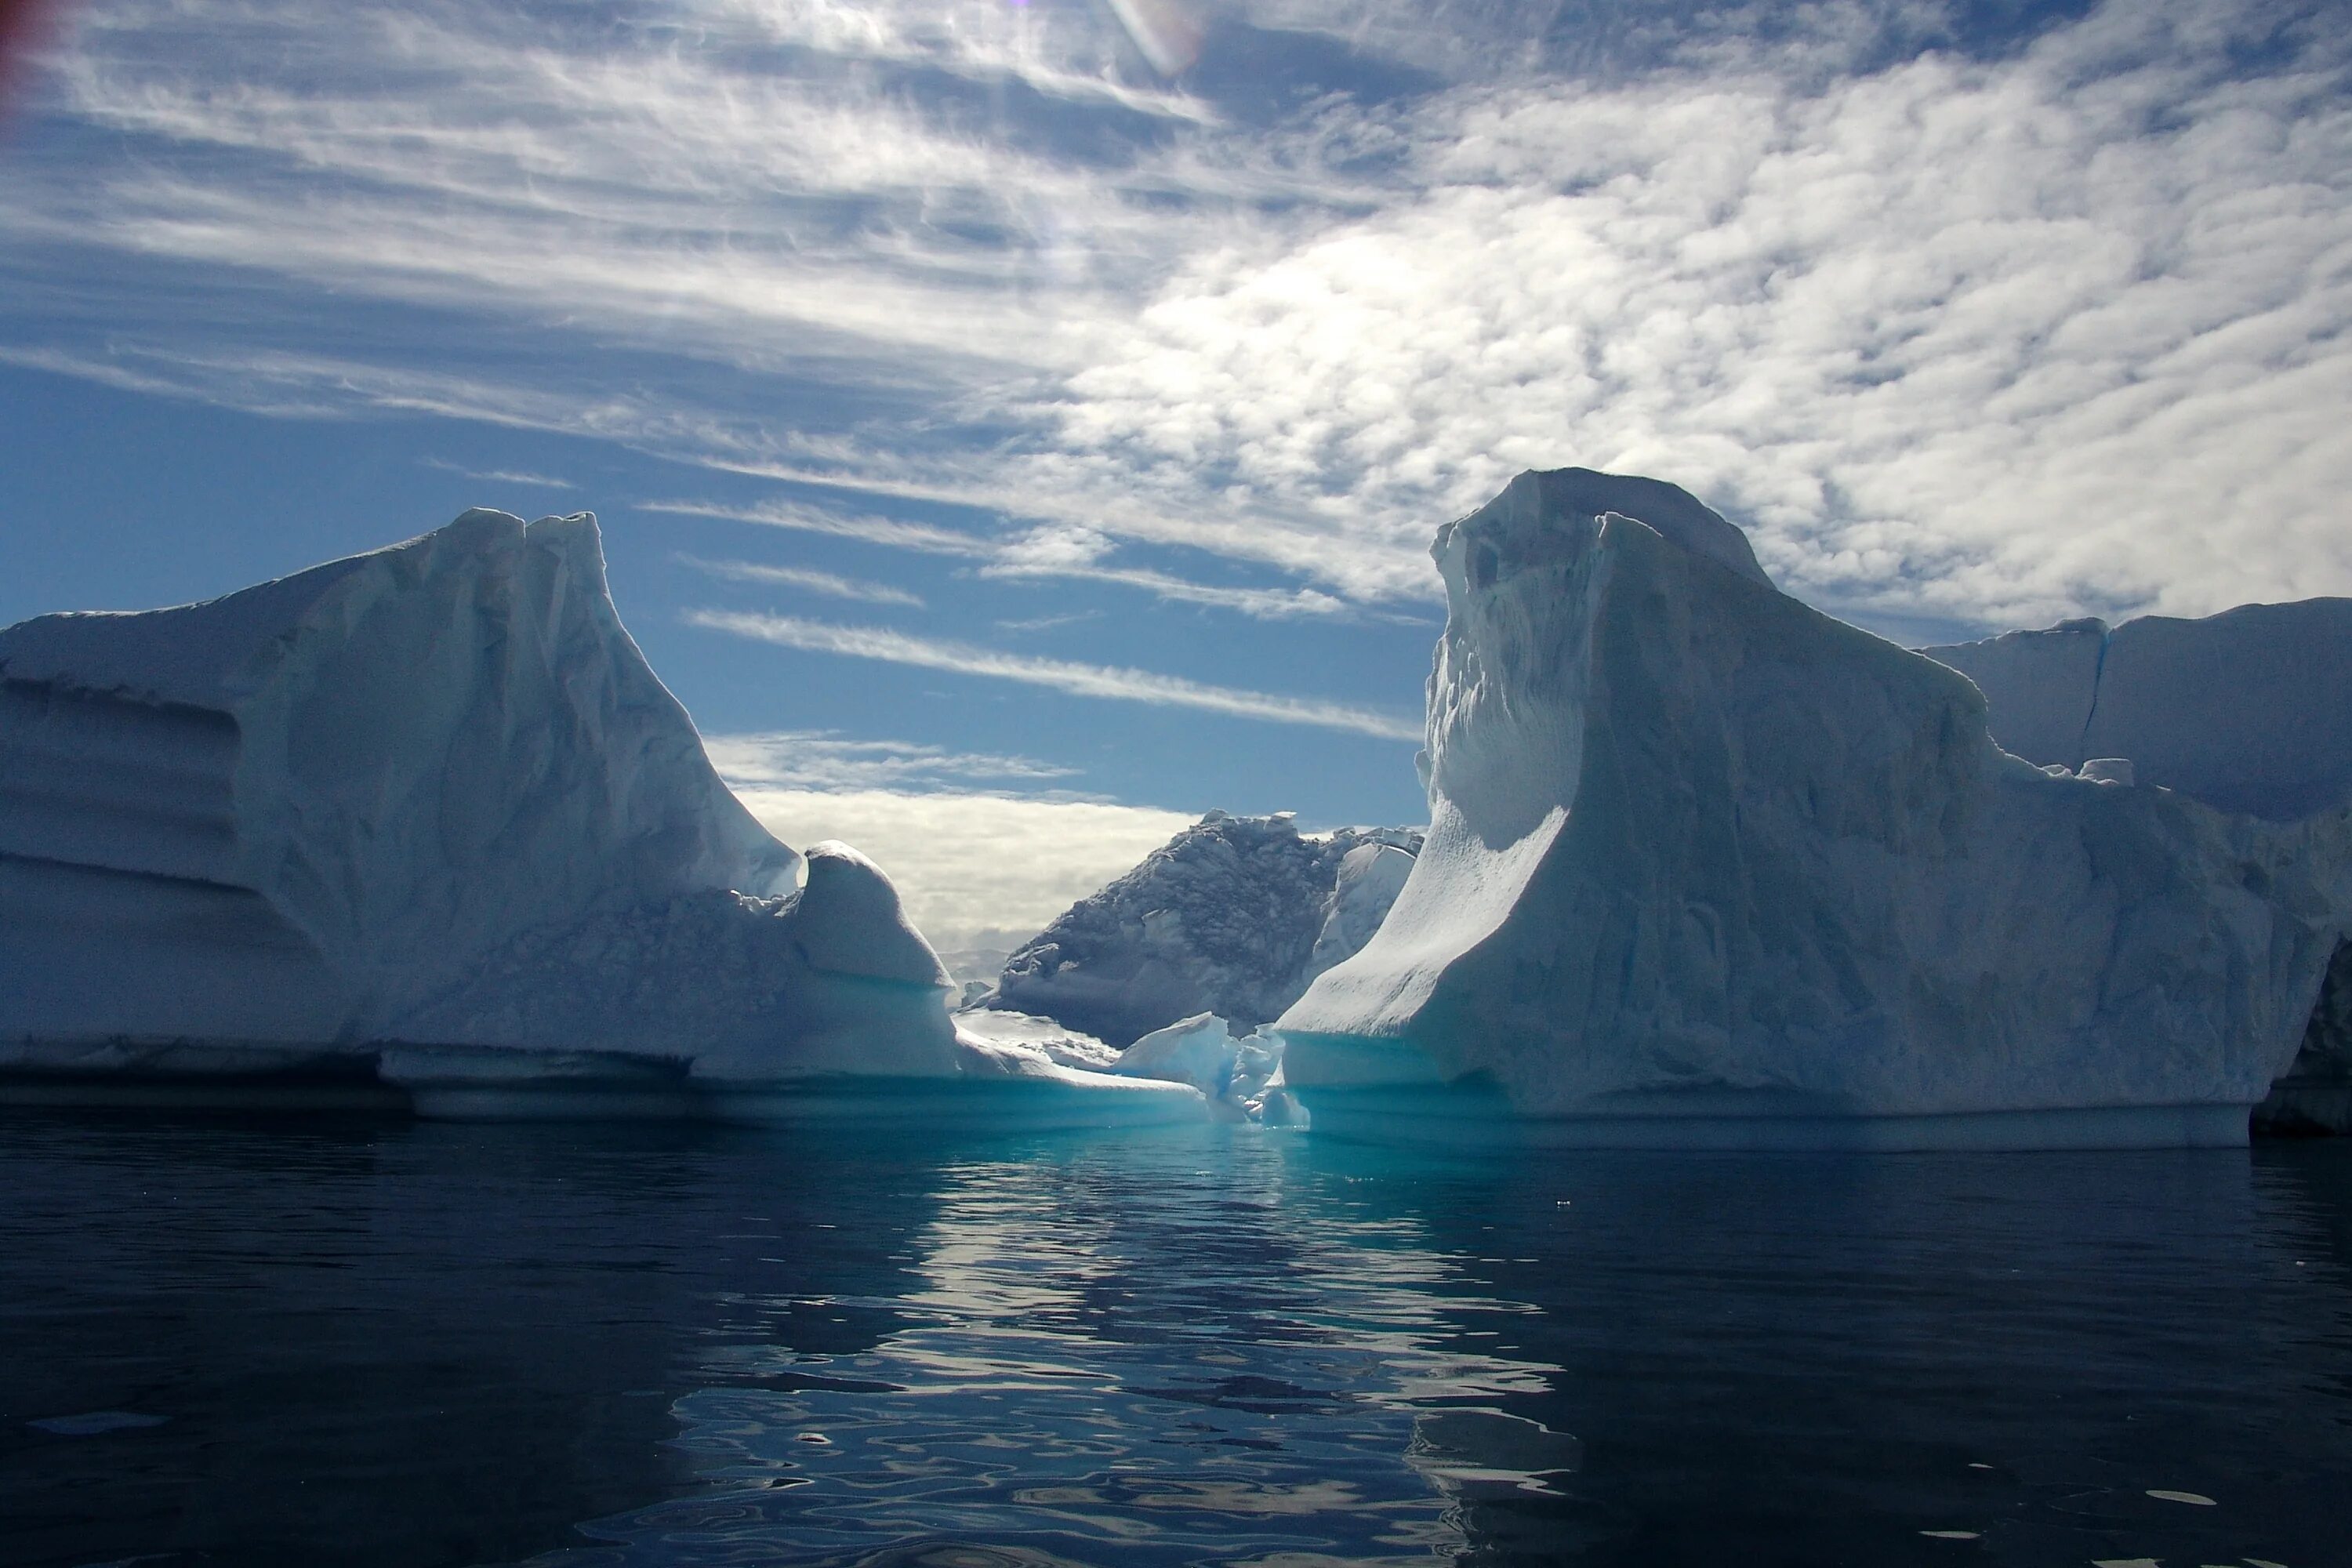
column 2244, row 710
column 1707, row 867
column 420, row 827
column 1232, row 917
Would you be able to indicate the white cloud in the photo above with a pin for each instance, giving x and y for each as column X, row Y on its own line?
column 1990, row 339
column 826, row 760
column 1072, row 551
column 978, row 866
column 1051, row 550
column 1045, row 487
column 974, row 871
column 500, row 476
column 888, row 532
column 1061, row 675
column 1995, row 340
column 1054, row 50
column 1048, row 623
column 1264, row 604
column 805, row 579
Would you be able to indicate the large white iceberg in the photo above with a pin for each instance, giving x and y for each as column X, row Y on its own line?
column 423, row 819
column 1707, row 866
column 1232, row 916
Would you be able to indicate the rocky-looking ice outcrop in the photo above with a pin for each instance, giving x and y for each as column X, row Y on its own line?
column 428, row 796
column 1706, row 864
column 1232, row 917
column 2246, row 711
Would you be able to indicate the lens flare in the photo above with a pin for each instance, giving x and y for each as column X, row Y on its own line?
column 1169, row 32
column 24, row 24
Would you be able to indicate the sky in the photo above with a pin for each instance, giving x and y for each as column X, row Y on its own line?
column 1017, row 428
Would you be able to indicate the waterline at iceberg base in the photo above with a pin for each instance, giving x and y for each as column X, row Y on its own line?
column 1706, row 867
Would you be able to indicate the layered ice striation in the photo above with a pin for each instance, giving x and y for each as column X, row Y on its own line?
column 429, row 809
column 1232, row 917
column 1706, row 865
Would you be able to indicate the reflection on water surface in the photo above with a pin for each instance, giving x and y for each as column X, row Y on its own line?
column 387, row 1342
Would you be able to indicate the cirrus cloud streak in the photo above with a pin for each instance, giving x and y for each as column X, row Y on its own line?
column 1970, row 337
column 1106, row 681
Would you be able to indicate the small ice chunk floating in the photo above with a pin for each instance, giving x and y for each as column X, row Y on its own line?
column 421, row 827
column 1709, row 867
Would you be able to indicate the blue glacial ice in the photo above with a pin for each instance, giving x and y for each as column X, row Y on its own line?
column 1239, row 1075
column 1232, row 916
column 2244, row 710
column 1706, row 866
column 422, row 824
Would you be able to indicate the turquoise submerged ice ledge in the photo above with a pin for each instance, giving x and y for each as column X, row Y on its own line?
column 1706, row 867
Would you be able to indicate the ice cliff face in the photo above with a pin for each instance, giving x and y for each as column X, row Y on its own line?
column 2315, row 1094
column 1232, row 916
column 433, row 795
column 2245, row 710
column 1701, row 856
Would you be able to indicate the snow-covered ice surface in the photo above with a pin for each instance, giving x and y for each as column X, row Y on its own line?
column 1370, row 877
column 1707, row 866
column 993, row 1027
column 2245, row 710
column 1232, row 916
column 1066, row 1076
column 1240, row 1076
column 422, row 822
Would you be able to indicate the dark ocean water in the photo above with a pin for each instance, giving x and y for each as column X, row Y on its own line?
column 384, row 1343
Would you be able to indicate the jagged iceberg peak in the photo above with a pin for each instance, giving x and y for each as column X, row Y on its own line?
column 430, row 794
column 2245, row 710
column 1702, row 855
column 1232, row 916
